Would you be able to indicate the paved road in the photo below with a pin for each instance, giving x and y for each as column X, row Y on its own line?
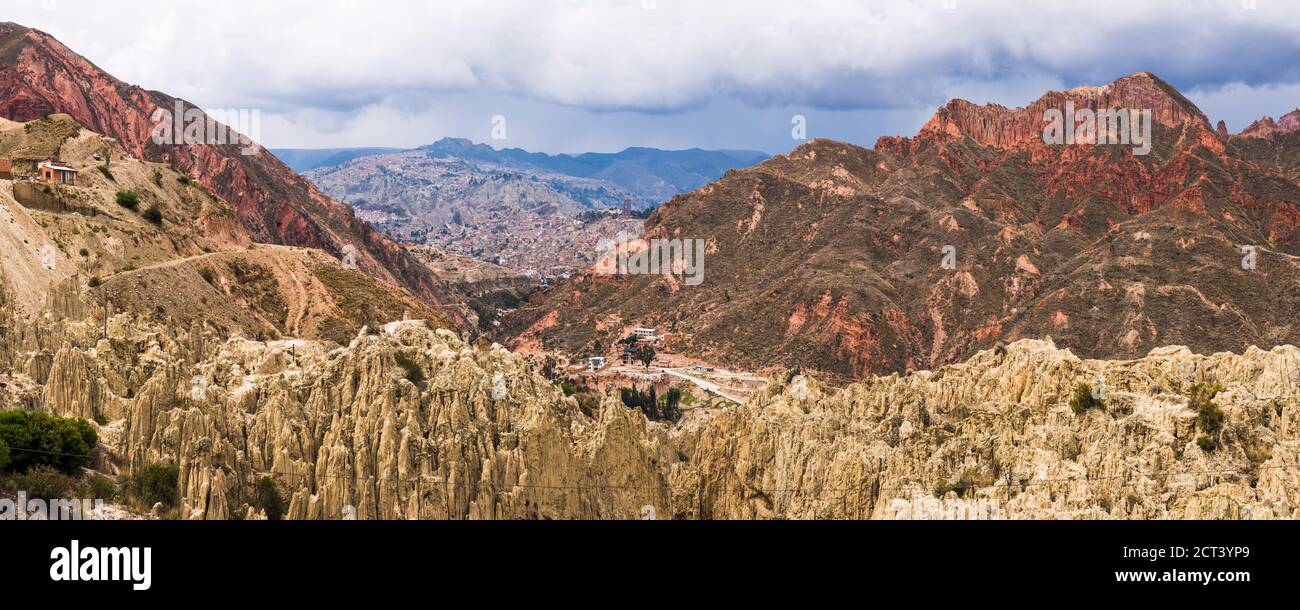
column 706, row 385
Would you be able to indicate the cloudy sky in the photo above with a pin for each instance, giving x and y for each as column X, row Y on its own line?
column 601, row 75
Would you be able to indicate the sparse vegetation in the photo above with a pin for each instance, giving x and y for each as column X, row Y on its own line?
column 155, row 483
column 1084, row 399
column 103, row 169
column 83, row 252
column 153, row 214
column 1206, row 443
column 943, row 488
column 1209, row 417
column 970, row 480
column 101, row 488
column 183, row 179
column 157, row 177
column 667, row 409
column 45, row 482
column 128, row 199
column 208, row 275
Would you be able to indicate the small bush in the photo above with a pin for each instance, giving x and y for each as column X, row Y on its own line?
column 153, row 214
column 47, row 190
column 94, row 281
column 208, row 275
column 103, row 169
column 183, row 179
column 128, row 199
column 157, row 177
column 1209, row 417
column 101, row 488
column 1083, row 400
column 156, row 483
column 46, row 482
column 269, row 500
column 83, row 252
column 4, row 454
column 944, row 487
column 1206, row 443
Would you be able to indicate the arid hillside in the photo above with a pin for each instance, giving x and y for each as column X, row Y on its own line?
column 40, row 76
column 848, row 261
column 78, row 251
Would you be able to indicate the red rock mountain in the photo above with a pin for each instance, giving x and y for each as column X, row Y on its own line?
column 39, row 76
column 829, row 258
column 1267, row 127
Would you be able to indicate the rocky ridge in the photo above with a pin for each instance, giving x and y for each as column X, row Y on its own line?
column 849, row 262
column 409, row 422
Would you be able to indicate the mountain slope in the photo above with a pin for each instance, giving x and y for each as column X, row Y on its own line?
column 38, row 76
column 76, row 251
column 831, row 258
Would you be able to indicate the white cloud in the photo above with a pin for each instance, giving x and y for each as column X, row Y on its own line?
column 385, row 64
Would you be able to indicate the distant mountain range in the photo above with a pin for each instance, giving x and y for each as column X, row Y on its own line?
column 532, row 212
column 302, row 159
column 649, row 175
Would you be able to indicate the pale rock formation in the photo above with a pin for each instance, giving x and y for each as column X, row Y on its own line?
column 408, row 422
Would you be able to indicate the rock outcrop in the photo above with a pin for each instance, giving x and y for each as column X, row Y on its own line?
column 408, row 422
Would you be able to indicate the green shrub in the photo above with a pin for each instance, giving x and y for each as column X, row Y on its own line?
column 1209, row 417
column 1083, row 399
column 83, row 252
column 654, row 407
column 36, row 439
column 94, row 282
column 183, row 179
column 157, row 177
column 46, row 482
column 47, row 190
column 103, row 169
column 100, row 487
column 208, row 275
column 153, row 214
column 128, row 199
column 1206, row 443
column 269, row 500
column 156, row 483
column 4, row 454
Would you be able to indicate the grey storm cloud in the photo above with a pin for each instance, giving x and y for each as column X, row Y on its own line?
column 321, row 64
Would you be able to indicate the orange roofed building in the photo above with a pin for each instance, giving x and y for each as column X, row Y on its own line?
column 52, row 173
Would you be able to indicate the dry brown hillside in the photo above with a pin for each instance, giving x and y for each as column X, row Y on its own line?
column 70, row 251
